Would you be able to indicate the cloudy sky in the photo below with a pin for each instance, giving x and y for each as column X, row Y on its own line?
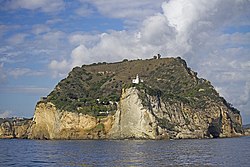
column 42, row 40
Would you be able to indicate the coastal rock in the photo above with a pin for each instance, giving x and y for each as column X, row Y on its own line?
column 6, row 130
column 132, row 120
column 247, row 132
column 160, row 120
column 50, row 123
column 246, row 129
column 14, row 127
column 156, row 120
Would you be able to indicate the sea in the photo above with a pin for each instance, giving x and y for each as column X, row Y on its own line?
column 194, row 152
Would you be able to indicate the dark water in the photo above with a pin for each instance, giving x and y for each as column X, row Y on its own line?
column 207, row 152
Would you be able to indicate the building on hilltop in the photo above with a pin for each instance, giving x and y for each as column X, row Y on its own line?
column 158, row 56
column 137, row 80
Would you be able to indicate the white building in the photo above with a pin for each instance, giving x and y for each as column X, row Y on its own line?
column 137, row 80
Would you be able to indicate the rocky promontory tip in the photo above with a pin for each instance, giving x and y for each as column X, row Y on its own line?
column 160, row 98
column 14, row 127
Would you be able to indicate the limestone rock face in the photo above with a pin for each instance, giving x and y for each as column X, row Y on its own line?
column 45, row 122
column 132, row 120
column 158, row 119
column 181, row 121
column 49, row 123
column 6, row 130
column 14, row 128
column 138, row 116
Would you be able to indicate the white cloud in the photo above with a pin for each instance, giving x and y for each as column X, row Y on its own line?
column 43, row 5
column 17, row 39
column 19, row 72
column 130, row 9
column 155, row 31
column 16, row 73
column 40, row 28
column 183, row 14
column 59, row 68
column 84, row 10
column 49, row 45
column 53, row 36
column 39, row 49
column 83, row 38
column 45, row 44
column 54, row 21
column 78, row 55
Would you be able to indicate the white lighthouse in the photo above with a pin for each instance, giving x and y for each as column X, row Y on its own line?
column 137, row 80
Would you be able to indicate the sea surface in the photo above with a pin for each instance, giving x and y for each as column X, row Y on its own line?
column 204, row 152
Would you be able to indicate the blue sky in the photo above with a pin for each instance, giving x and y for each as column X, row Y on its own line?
column 42, row 40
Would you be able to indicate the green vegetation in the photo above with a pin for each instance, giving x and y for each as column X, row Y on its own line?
column 99, row 127
column 175, row 82
column 95, row 89
column 82, row 92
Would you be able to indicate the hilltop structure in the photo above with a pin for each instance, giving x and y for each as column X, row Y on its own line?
column 137, row 80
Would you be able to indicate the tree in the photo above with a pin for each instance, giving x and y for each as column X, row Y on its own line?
column 158, row 56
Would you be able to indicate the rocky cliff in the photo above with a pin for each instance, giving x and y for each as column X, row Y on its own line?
column 167, row 101
column 14, row 127
column 50, row 123
column 157, row 120
column 133, row 120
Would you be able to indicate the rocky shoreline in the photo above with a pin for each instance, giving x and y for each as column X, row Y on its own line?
column 14, row 128
column 132, row 120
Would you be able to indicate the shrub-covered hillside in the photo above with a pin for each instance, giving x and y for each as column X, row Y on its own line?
column 95, row 89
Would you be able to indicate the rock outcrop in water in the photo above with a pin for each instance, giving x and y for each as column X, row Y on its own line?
column 14, row 127
column 99, row 101
column 246, row 129
column 50, row 123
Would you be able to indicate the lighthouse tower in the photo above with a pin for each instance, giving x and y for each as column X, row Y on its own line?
column 136, row 80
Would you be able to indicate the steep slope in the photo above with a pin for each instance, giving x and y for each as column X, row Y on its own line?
column 133, row 120
column 172, row 102
column 160, row 120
